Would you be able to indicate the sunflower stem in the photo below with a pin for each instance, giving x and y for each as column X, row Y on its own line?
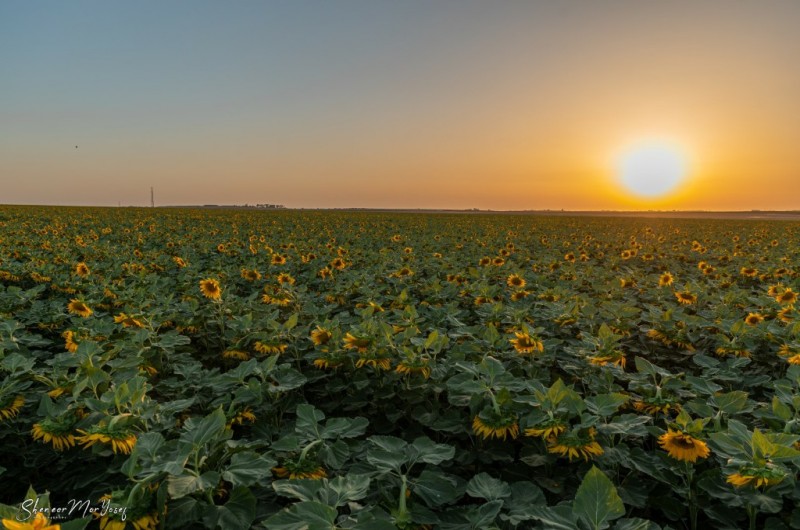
column 307, row 448
column 752, row 513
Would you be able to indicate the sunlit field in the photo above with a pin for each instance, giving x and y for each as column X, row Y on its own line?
column 293, row 369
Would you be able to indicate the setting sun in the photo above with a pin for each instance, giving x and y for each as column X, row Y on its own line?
column 652, row 169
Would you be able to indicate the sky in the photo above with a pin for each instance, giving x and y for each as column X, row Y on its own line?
column 414, row 104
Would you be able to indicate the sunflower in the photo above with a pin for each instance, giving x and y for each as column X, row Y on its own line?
column 686, row 298
column 127, row 321
column 519, row 295
column 251, row 275
column 750, row 272
column 352, row 342
column 753, row 319
column 277, row 259
column 516, row 281
column 575, row 445
column 498, row 261
column 325, row 273
column 617, row 358
column 666, row 279
column 569, row 257
column 325, row 363
column 376, row 362
column 627, row 282
column 11, row 409
column 759, row 477
column 300, row 472
column 404, row 272
column 39, row 522
column 69, row 341
column 787, row 297
column 77, row 307
column 246, row 416
column 284, row 278
column 682, row 446
column 82, row 270
column 654, row 406
column 525, row 344
column 338, row 264
column 211, row 289
column 266, row 348
column 785, row 314
column 320, row 336
column 56, row 432
column 795, row 359
column 236, row 354
column 120, row 442
column 179, row 261
column 551, row 429
column 413, row 367
column 490, row 424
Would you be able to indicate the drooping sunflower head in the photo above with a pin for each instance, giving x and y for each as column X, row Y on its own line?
column 120, row 440
column 55, row 431
column 251, row 275
column 76, row 307
column 575, row 444
column 491, row 424
column 757, row 476
column 360, row 344
column 320, row 336
column 11, row 407
column 547, row 430
column 211, row 289
column 682, row 446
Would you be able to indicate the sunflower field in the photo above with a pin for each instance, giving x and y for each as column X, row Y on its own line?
column 362, row 370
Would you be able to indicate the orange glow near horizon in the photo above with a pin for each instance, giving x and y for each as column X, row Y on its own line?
column 452, row 105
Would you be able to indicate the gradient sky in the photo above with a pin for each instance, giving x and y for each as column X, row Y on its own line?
column 417, row 104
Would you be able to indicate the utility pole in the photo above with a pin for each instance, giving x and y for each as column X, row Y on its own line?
column 152, row 200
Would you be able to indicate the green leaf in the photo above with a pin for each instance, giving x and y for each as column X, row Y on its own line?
column 556, row 517
column 308, row 418
column 309, row 515
column 524, row 496
column 200, row 432
column 76, row 524
column 344, row 427
column 247, row 468
column 484, row 486
column 300, row 489
column 239, row 512
column 605, row 404
column 186, row 484
column 635, row 524
column 344, row 489
column 731, row 402
column 426, row 450
column 436, row 488
column 597, row 501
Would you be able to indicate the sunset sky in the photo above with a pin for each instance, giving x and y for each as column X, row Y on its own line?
column 413, row 104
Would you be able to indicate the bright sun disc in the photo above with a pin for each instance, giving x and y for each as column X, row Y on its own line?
column 652, row 169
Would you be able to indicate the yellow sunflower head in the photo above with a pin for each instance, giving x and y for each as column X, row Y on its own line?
column 211, row 289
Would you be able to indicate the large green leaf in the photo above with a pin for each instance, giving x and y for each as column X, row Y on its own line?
column 308, row 515
column 597, row 501
column 247, row 468
column 484, row 486
column 239, row 511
